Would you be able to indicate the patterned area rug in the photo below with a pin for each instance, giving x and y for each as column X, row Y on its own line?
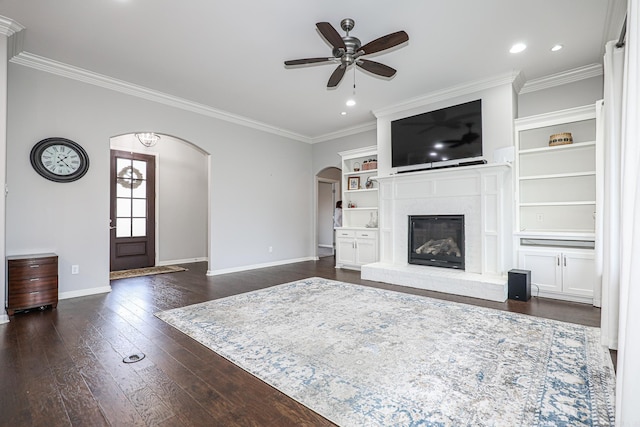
column 361, row 356
column 148, row 271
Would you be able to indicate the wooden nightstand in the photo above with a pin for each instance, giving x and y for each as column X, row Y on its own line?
column 32, row 281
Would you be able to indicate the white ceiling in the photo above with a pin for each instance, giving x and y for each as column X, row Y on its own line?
column 229, row 55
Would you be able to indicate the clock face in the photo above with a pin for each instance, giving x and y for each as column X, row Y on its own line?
column 59, row 159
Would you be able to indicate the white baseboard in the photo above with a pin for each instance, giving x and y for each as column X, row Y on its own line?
column 84, row 292
column 4, row 318
column 256, row 266
column 181, row 261
column 330, row 246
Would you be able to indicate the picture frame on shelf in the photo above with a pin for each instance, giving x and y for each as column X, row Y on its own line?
column 353, row 183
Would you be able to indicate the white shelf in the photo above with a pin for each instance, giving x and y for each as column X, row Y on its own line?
column 361, row 190
column 361, row 172
column 558, row 147
column 557, row 175
column 555, row 235
column 587, row 202
column 372, row 208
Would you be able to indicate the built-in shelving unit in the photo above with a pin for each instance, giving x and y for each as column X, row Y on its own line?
column 357, row 239
column 556, row 202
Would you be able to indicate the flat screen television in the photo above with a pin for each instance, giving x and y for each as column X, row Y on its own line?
column 445, row 137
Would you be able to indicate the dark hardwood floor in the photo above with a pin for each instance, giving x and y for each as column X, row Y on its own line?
column 64, row 367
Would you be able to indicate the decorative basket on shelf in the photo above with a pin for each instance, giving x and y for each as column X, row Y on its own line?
column 371, row 164
column 560, row 139
column 356, row 167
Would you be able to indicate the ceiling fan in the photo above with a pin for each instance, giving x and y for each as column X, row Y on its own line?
column 348, row 50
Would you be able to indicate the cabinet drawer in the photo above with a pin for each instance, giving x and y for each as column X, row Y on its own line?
column 34, row 269
column 33, row 298
column 345, row 233
column 366, row 234
column 33, row 284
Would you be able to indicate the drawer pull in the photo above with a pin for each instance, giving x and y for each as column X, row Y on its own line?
column 34, row 266
column 34, row 292
column 364, row 235
column 35, row 279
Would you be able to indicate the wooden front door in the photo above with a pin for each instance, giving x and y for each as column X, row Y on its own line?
column 132, row 210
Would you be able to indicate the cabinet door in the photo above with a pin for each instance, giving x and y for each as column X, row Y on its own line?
column 345, row 251
column 367, row 250
column 545, row 268
column 578, row 273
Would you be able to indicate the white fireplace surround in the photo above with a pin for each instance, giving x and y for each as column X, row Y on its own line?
column 483, row 194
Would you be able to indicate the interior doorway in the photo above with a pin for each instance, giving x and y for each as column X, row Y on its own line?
column 328, row 191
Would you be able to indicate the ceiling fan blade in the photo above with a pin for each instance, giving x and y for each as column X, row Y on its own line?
column 337, row 75
column 308, row 61
column 385, row 42
column 332, row 36
column 376, row 68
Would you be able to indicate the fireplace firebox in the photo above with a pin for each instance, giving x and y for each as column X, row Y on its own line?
column 437, row 240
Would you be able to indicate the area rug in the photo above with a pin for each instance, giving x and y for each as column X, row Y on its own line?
column 147, row 271
column 362, row 356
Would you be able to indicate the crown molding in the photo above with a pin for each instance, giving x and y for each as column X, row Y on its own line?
column 565, row 77
column 58, row 68
column 451, row 92
column 9, row 27
column 345, row 132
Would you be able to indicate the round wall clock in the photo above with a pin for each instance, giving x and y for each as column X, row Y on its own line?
column 59, row 159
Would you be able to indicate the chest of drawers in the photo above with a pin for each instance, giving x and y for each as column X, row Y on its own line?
column 32, row 281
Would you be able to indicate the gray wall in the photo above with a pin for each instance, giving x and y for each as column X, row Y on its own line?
column 255, row 179
column 325, row 154
column 576, row 94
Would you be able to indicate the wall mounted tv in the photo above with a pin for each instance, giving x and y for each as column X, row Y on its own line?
column 440, row 138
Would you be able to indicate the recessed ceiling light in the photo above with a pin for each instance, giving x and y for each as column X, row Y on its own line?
column 518, row 47
column 556, row 48
column 351, row 102
column 344, row 113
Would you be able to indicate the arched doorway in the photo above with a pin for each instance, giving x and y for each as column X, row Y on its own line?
column 181, row 201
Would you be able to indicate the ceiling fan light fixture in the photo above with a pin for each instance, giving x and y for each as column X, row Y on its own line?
column 518, row 47
column 148, row 139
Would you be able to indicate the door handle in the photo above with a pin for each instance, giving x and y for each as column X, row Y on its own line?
column 112, row 227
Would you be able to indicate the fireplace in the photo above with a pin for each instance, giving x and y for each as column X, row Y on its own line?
column 436, row 240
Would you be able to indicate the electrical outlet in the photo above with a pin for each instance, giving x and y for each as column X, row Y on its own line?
column 540, row 217
column 75, row 269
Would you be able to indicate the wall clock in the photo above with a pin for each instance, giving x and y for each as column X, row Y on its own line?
column 59, row 159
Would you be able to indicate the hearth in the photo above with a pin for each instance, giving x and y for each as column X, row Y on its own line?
column 436, row 240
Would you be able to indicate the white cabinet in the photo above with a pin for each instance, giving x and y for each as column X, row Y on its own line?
column 355, row 248
column 556, row 202
column 558, row 272
column 357, row 240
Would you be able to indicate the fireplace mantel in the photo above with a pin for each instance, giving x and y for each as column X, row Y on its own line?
column 483, row 194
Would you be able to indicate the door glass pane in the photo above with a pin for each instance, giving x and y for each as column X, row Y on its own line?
column 139, row 208
column 123, row 208
column 139, row 169
column 123, row 189
column 139, row 189
column 123, row 227
column 139, row 227
column 131, row 202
